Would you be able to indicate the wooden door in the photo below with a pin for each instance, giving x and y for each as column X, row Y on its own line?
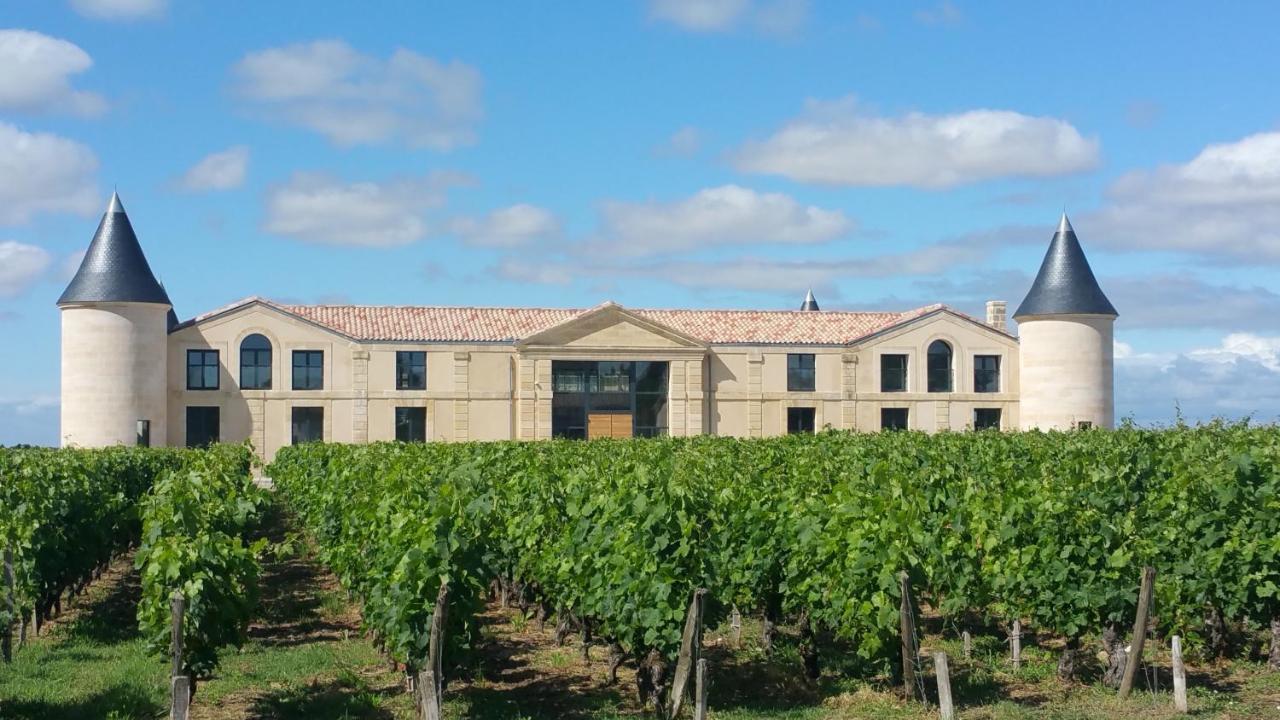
column 610, row 424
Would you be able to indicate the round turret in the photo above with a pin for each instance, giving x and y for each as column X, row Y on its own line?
column 114, row 343
column 1065, row 330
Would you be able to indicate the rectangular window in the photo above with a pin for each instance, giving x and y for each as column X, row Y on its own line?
column 411, row 424
column 986, row 373
column 893, row 373
column 986, row 419
column 202, row 369
column 202, row 426
column 1084, row 425
column 800, row 420
column 308, row 425
column 608, row 398
column 893, row 418
column 144, row 433
column 800, row 372
column 308, row 369
column 411, row 370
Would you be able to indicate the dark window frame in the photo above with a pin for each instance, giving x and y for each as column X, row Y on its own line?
column 261, row 358
column 886, row 413
column 986, row 379
column 204, row 367
column 802, row 420
column 884, row 376
column 294, row 412
column 405, row 366
column 412, row 416
column 940, row 379
column 802, row 372
column 205, row 436
column 311, row 376
column 987, row 424
column 581, row 387
column 144, row 433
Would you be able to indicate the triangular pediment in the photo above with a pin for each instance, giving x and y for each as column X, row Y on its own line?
column 611, row 326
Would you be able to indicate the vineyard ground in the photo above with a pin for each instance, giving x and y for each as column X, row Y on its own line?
column 307, row 659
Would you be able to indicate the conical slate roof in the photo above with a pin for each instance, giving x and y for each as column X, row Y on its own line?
column 810, row 303
column 114, row 268
column 1065, row 284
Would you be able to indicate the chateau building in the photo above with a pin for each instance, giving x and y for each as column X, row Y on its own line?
column 277, row 374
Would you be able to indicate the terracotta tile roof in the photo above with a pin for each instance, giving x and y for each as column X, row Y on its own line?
column 490, row 324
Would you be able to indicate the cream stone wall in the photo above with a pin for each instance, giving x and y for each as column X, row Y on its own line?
column 113, row 373
column 1067, row 369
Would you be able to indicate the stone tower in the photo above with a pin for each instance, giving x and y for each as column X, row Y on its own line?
column 115, row 325
column 1065, row 327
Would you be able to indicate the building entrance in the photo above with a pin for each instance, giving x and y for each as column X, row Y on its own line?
column 592, row 399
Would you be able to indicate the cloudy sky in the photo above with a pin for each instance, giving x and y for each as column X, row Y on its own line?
column 660, row 153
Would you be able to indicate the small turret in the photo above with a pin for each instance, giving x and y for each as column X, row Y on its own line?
column 114, row 342
column 810, row 303
column 1066, row 332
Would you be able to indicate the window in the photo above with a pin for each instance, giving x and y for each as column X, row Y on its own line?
column 202, row 426
column 939, row 367
column 893, row 418
column 1084, row 425
column 308, row 424
column 202, row 369
column 615, row 398
column 800, row 374
column 986, row 419
column 411, row 370
column 986, row 373
column 308, row 369
column 411, row 424
column 255, row 363
column 893, row 373
column 800, row 420
column 144, row 433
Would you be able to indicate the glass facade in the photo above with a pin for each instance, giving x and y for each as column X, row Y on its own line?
column 582, row 390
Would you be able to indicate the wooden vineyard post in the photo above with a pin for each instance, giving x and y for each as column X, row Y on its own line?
column 944, row 685
column 1179, row 677
column 430, row 686
column 10, row 607
column 1015, row 639
column 908, row 633
column 968, row 646
column 700, row 691
column 735, row 622
column 179, row 682
column 1139, row 630
column 690, row 651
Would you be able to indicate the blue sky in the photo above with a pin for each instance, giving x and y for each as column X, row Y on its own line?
column 704, row 153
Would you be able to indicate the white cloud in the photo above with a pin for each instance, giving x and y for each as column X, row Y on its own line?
column 685, row 142
column 30, row 420
column 723, row 215
column 355, row 99
column 37, row 75
column 1224, row 203
column 508, row 227
column 944, row 13
column 20, row 267
column 223, row 170
column 837, row 144
column 42, row 172
column 1238, row 378
column 120, row 9
column 774, row 17
column 320, row 209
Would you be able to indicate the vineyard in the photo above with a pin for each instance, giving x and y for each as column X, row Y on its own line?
column 612, row 538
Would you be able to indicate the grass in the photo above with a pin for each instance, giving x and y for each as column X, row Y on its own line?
column 307, row 659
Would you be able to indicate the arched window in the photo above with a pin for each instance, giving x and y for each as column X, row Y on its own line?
column 255, row 363
column 939, row 366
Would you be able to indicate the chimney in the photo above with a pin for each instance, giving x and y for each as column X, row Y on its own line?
column 996, row 315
